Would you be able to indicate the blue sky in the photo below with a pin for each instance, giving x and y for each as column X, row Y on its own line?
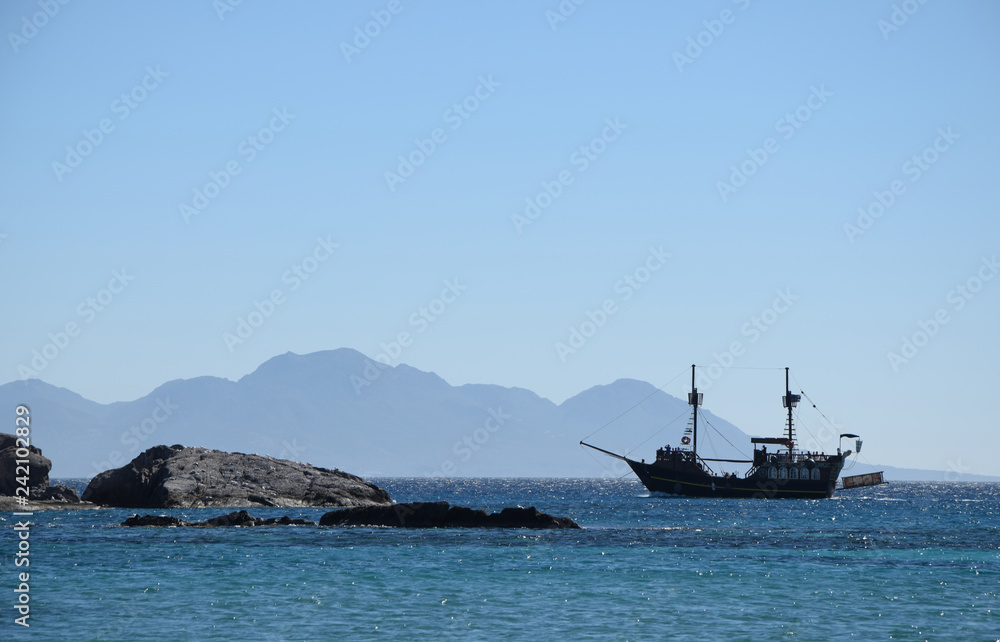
column 743, row 158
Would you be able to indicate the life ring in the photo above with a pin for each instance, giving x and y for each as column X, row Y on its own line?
column 685, row 440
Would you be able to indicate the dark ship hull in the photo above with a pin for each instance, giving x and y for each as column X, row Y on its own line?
column 768, row 481
column 787, row 473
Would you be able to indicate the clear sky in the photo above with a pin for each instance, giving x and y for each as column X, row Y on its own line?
column 493, row 177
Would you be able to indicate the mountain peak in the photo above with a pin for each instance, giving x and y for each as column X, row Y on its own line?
column 341, row 409
column 294, row 360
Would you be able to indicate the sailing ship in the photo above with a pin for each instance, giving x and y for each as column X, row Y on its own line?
column 785, row 472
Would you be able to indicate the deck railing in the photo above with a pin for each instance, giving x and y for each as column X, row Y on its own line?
column 796, row 457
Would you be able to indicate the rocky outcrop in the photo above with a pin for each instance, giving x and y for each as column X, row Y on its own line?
column 38, row 467
column 179, row 477
column 238, row 518
column 442, row 515
column 161, row 521
column 41, row 496
column 419, row 515
column 60, row 493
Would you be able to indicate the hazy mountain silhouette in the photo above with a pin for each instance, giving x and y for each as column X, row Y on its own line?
column 397, row 421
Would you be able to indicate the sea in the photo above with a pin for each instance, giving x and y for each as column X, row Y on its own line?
column 905, row 560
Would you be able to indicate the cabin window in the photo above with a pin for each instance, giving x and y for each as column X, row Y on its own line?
column 793, row 473
column 815, row 474
column 782, row 473
column 772, row 472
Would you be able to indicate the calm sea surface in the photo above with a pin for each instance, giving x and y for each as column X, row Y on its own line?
column 901, row 561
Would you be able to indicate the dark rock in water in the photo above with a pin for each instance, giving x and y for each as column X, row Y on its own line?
column 288, row 521
column 238, row 518
column 528, row 518
column 417, row 515
column 178, row 477
column 60, row 493
column 462, row 516
column 38, row 467
column 422, row 515
column 154, row 520
column 441, row 515
column 41, row 496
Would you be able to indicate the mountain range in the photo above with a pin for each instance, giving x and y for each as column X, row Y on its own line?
column 340, row 409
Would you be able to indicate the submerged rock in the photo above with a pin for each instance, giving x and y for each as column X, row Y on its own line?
column 419, row 515
column 238, row 518
column 154, row 520
column 442, row 515
column 179, row 477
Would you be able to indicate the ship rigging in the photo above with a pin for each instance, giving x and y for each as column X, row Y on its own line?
column 785, row 472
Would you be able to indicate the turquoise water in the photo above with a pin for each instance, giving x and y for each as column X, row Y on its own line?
column 902, row 561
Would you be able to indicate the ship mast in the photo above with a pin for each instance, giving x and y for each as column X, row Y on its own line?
column 790, row 401
column 694, row 400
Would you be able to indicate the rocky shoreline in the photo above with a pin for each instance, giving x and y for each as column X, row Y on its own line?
column 165, row 477
column 411, row 515
column 443, row 515
column 238, row 518
column 8, row 503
